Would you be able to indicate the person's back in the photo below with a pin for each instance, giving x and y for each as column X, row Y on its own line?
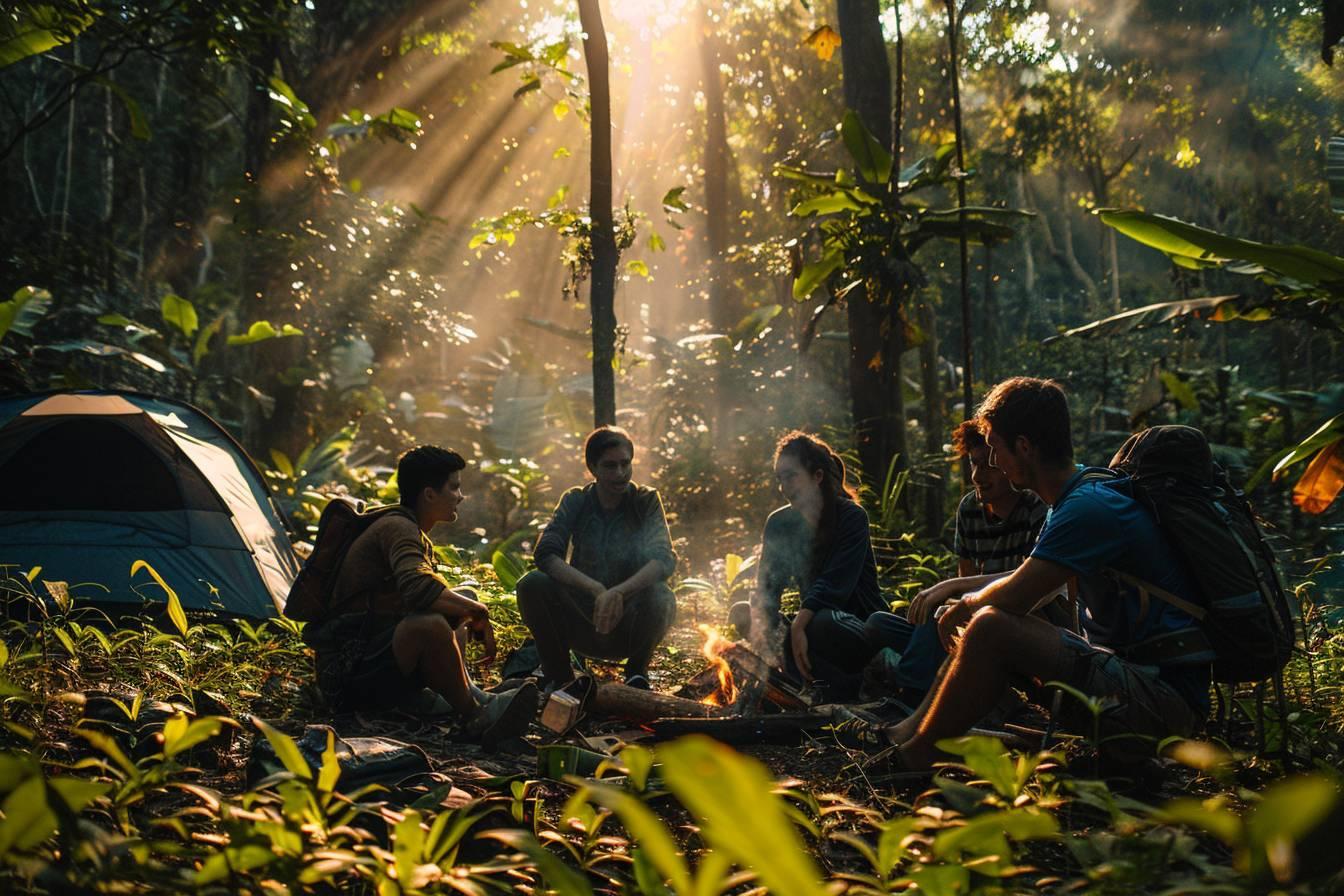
column 1097, row 530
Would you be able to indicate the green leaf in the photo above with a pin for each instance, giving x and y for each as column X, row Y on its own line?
column 282, row 94
column 648, row 830
column 508, row 568
column 1196, row 246
column 202, row 346
column 28, row 819
column 262, row 330
column 139, row 124
column 638, row 268
column 179, row 735
column 1326, row 433
column 871, row 158
column 656, row 243
column 751, row 326
column 285, row 750
column 281, row 462
column 732, row 796
column 831, row 203
column 1289, row 810
column 672, row 201
column 176, row 614
column 1180, row 390
column 1215, row 308
column 26, row 307
column 180, row 313
column 330, row 772
column 29, row 29
column 815, row 273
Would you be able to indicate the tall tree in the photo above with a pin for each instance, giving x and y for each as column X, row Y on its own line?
column 876, row 329
column 602, row 286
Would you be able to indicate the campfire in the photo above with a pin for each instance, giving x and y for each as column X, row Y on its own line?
column 715, row 644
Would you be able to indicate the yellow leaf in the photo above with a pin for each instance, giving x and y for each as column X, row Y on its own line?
column 175, row 611
column 1323, row 480
column 560, row 110
column 824, row 40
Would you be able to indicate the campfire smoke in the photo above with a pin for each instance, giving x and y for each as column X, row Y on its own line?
column 715, row 644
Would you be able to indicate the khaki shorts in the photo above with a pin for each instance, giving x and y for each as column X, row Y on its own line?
column 1138, row 709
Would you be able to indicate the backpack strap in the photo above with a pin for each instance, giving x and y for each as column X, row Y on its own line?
column 1148, row 589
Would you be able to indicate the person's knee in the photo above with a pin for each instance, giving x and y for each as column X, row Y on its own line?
column 664, row 605
column 991, row 626
column 886, row 630
column 739, row 617
column 426, row 631
column 532, row 590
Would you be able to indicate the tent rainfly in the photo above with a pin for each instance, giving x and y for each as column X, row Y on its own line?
column 91, row 482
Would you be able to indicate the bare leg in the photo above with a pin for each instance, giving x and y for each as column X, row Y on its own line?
column 426, row 647
column 905, row 729
column 995, row 646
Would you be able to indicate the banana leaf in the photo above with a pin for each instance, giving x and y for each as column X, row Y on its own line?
column 1295, row 267
column 1218, row 308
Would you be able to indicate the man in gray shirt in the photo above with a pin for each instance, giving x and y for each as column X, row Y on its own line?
column 600, row 586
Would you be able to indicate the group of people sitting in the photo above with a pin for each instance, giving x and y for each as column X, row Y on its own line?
column 1044, row 553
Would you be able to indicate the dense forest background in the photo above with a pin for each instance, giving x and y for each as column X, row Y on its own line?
column 344, row 228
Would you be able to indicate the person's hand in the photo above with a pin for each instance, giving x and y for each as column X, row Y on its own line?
column 798, row 641
column 952, row 618
column 931, row 598
column 607, row 611
column 481, row 629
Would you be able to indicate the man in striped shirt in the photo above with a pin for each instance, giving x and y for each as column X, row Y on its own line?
column 996, row 528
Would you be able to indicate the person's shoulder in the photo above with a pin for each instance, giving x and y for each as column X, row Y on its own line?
column 1033, row 504
column 644, row 492
column 850, row 510
column 783, row 517
column 576, row 493
column 969, row 504
column 395, row 521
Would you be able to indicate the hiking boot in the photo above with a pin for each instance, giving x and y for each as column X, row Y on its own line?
column 428, row 705
column 504, row 715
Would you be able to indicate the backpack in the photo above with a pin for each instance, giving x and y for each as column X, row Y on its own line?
column 1243, row 606
column 341, row 522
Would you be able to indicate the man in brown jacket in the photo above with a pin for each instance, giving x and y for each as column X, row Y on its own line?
column 402, row 627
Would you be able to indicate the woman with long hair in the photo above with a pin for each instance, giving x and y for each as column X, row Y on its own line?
column 819, row 543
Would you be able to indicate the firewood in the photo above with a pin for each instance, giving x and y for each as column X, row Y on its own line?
column 779, row 728
column 639, row 705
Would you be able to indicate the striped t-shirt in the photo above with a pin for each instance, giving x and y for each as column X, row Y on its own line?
column 995, row 545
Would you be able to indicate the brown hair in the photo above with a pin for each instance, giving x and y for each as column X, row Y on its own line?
column 1031, row 407
column 814, row 454
column 602, row 439
column 967, row 437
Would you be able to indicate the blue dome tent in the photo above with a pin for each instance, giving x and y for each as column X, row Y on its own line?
column 91, row 482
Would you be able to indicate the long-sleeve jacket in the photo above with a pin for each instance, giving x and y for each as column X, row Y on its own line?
column 846, row 578
column 608, row 545
column 391, row 564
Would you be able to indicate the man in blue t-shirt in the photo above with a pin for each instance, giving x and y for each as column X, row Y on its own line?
column 1147, row 659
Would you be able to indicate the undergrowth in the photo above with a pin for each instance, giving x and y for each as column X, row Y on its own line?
column 123, row 769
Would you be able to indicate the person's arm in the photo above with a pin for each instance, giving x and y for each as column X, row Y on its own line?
column 965, row 567
column 933, row 597
column 655, row 542
column 553, row 546
column 839, row 576
column 1018, row 593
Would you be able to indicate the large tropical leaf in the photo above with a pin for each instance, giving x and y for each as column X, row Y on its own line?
column 1194, row 247
column 1325, row 434
column 1218, row 308
column 1322, row 481
column 928, row 170
column 34, row 28
column 871, row 159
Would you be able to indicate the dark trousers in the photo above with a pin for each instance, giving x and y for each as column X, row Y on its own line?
column 836, row 647
column 921, row 652
column 561, row 619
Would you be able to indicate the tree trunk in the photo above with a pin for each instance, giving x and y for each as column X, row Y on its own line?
column 935, row 417
column 722, row 312
column 1028, row 258
column 968, row 370
column 876, row 331
column 602, row 282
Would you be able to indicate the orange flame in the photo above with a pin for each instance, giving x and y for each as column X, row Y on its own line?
column 726, row 693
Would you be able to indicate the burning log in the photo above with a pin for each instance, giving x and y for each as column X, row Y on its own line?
column 639, row 705
column 743, row 678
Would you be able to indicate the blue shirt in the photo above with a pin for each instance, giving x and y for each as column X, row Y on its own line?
column 1095, row 526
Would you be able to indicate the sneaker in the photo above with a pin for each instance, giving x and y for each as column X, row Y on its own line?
column 504, row 715
column 638, row 681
